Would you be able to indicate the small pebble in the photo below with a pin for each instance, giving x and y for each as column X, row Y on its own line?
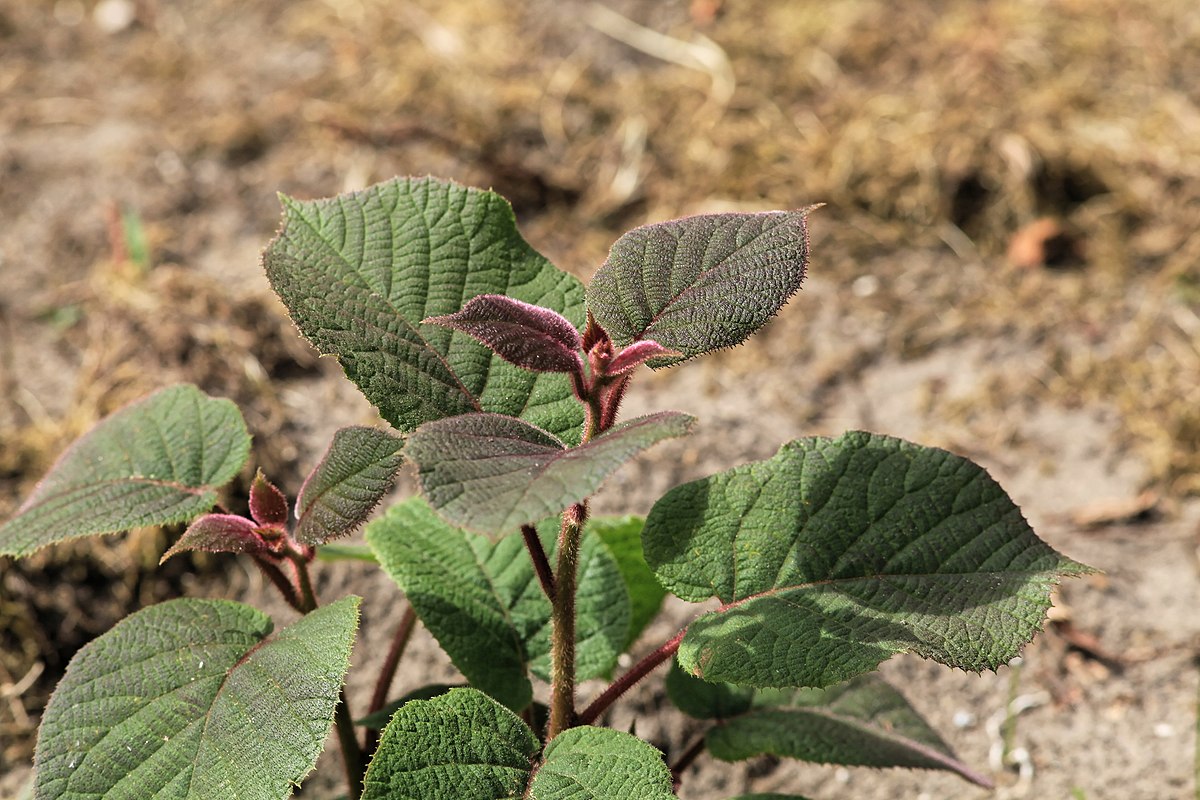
column 865, row 285
column 964, row 719
column 1164, row 730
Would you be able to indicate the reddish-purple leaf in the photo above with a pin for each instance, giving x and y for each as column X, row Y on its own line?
column 639, row 353
column 221, row 533
column 529, row 336
column 268, row 506
column 355, row 473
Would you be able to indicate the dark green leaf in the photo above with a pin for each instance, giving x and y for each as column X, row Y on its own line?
column 359, row 272
column 352, row 477
column 861, row 723
column 493, row 473
column 157, row 461
column 600, row 764
column 703, row 700
column 481, row 600
column 836, row 554
column 193, row 699
column 700, row 283
column 457, row 598
column 460, row 746
column 623, row 538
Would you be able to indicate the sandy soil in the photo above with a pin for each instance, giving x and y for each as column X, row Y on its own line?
column 936, row 135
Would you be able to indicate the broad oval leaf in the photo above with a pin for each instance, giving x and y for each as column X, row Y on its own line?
column 703, row 700
column 195, row 699
column 482, row 601
column 460, row 746
column 355, row 473
column 865, row 722
column 529, row 336
column 360, row 271
column 700, row 283
column 588, row 763
column 493, row 473
column 836, row 554
column 157, row 461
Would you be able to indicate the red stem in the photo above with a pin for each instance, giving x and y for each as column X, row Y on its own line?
column 541, row 563
column 685, row 760
column 276, row 576
column 626, row 682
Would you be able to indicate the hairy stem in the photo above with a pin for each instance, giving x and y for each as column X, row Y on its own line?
column 685, row 760
column 387, row 672
column 308, row 600
column 626, row 682
column 352, row 756
column 562, row 634
column 541, row 564
column 276, row 576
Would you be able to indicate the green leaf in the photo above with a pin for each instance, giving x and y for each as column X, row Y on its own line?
column 493, row 473
column 460, row 746
column 355, row 473
column 836, row 554
column 360, row 271
column 601, row 764
column 623, row 538
column 700, row 283
column 465, row 746
column 481, row 600
column 193, row 699
column 346, row 552
column 703, row 700
column 861, row 723
column 466, row 607
column 157, row 461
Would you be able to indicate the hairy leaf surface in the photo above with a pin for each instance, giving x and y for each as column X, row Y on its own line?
column 588, row 763
column 465, row 746
column 460, row 746
column 836, row 554
column 864, row 722
column 492, row 473
column 360, row 271
column 700, row 283
column 355, row 473
column 157, row 461
column 194, row 699
column 523, row 334
column 482, row 601
column 220, row 533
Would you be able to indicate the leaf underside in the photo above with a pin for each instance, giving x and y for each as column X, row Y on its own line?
column 482, row 601
column 864, row 722
column 529, row 336
column 194, row 699
column 155, row 462
column 492, row 473
column 465, row 746
column 357, row 470
column 836, row 554
column 360, row 271
column 700, row 283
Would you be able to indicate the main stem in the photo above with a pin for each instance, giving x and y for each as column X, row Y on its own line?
column 562, row 634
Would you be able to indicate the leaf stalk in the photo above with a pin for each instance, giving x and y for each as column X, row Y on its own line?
column 626, row 682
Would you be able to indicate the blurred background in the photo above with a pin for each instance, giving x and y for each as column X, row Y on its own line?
column 1008, row 266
